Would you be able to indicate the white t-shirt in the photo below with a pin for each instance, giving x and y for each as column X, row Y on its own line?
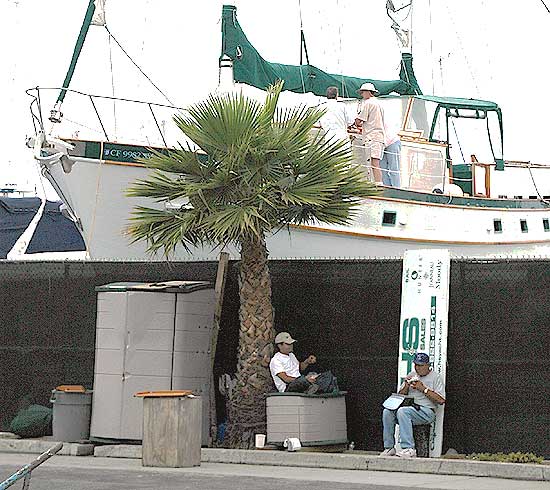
column 434, row 382
column 336, row 120
column 281, row 363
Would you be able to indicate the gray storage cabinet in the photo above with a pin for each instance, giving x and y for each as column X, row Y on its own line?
column 149, row 337
column 314, row 419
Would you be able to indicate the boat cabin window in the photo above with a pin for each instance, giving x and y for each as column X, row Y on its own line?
column 523, row 224
column 546, row 224
column 420, row 118
column 497, row 225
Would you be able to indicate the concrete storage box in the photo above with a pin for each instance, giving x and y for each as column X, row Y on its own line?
column 314, row 419
column 149, row 337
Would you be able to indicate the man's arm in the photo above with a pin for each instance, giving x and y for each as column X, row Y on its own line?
column 431, row 394
column 404, row 390
column 285, row 377
column 307, row 362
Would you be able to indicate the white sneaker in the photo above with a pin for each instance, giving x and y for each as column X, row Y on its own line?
column 388, row 452
column 410, row 452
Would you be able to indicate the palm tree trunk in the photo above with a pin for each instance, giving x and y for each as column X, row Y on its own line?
column 247, row 405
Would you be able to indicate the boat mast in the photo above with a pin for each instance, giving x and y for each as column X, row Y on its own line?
column 226, row 82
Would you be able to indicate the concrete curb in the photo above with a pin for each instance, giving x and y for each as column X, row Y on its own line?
column 38, row 446
column 348, row 461
column 119, row 451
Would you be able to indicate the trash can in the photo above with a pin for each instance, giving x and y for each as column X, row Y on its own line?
column 172, row 423
column 71, row 413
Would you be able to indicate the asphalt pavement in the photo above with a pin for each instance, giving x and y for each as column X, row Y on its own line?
column 87, row 473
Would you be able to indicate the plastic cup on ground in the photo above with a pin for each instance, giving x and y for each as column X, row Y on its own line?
column 260, row 441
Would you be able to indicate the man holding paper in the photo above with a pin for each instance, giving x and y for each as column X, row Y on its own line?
column 427, row 390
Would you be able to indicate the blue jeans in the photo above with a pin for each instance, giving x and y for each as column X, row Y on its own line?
column 406, row 417
column 390, row 161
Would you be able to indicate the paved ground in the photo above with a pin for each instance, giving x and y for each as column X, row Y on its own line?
column 87, row 473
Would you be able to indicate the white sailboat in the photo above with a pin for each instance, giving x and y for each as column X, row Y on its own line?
column 482, row 207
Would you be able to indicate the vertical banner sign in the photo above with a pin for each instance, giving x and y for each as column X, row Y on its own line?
column 424, row 320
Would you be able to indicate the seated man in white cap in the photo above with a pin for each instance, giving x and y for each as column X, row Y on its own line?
column 370, row 119
column 286, row 369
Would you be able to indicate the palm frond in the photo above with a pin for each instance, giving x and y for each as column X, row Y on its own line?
column 263, row 170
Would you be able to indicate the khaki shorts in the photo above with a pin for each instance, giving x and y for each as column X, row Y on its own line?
column 376, row 149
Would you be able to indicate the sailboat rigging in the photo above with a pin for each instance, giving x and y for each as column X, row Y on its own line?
column 466, row 206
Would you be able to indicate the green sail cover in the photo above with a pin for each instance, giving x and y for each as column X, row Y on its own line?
column 78, row 48
column 250, row 68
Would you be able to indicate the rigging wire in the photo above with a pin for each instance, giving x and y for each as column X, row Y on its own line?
column 342, row 82
column 431, row 45
column 301, row 45
column 458, row 141
column 137, row 66
column 536, row 188
column 83, row 125
column 461, row 46
column 545, row 6
column 486, row 36
column 112, row 83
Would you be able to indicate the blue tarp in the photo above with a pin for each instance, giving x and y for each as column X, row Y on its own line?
column 54, row 232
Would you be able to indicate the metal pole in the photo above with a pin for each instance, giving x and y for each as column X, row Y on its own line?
column 25, row 472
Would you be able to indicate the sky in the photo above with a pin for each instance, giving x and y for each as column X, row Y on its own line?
column 482, row 49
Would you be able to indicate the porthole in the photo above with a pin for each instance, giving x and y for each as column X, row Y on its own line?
column 546, row 224
column 389, row 218
column 497, row 225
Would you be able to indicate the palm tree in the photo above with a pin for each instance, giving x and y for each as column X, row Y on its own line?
column 260, row 170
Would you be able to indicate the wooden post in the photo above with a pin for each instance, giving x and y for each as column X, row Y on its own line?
column 219, row 289
column 172, row 431
column 488, row 180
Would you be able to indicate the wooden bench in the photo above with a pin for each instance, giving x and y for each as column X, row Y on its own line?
column 317, row 420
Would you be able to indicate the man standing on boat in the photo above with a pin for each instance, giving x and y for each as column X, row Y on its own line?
column 337, row 118
column 370, row 119
column 390, row 162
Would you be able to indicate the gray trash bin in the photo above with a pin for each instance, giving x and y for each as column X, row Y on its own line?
column 71, row 415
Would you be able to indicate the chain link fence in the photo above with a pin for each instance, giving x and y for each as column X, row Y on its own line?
column 346, row 312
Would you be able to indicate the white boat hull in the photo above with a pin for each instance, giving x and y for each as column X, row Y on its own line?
column 96, row 193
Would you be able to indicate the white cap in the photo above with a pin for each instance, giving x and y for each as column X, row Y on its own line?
column 284, row 338
column 370, row 87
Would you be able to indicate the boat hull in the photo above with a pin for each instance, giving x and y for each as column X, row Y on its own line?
column 95, row 190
